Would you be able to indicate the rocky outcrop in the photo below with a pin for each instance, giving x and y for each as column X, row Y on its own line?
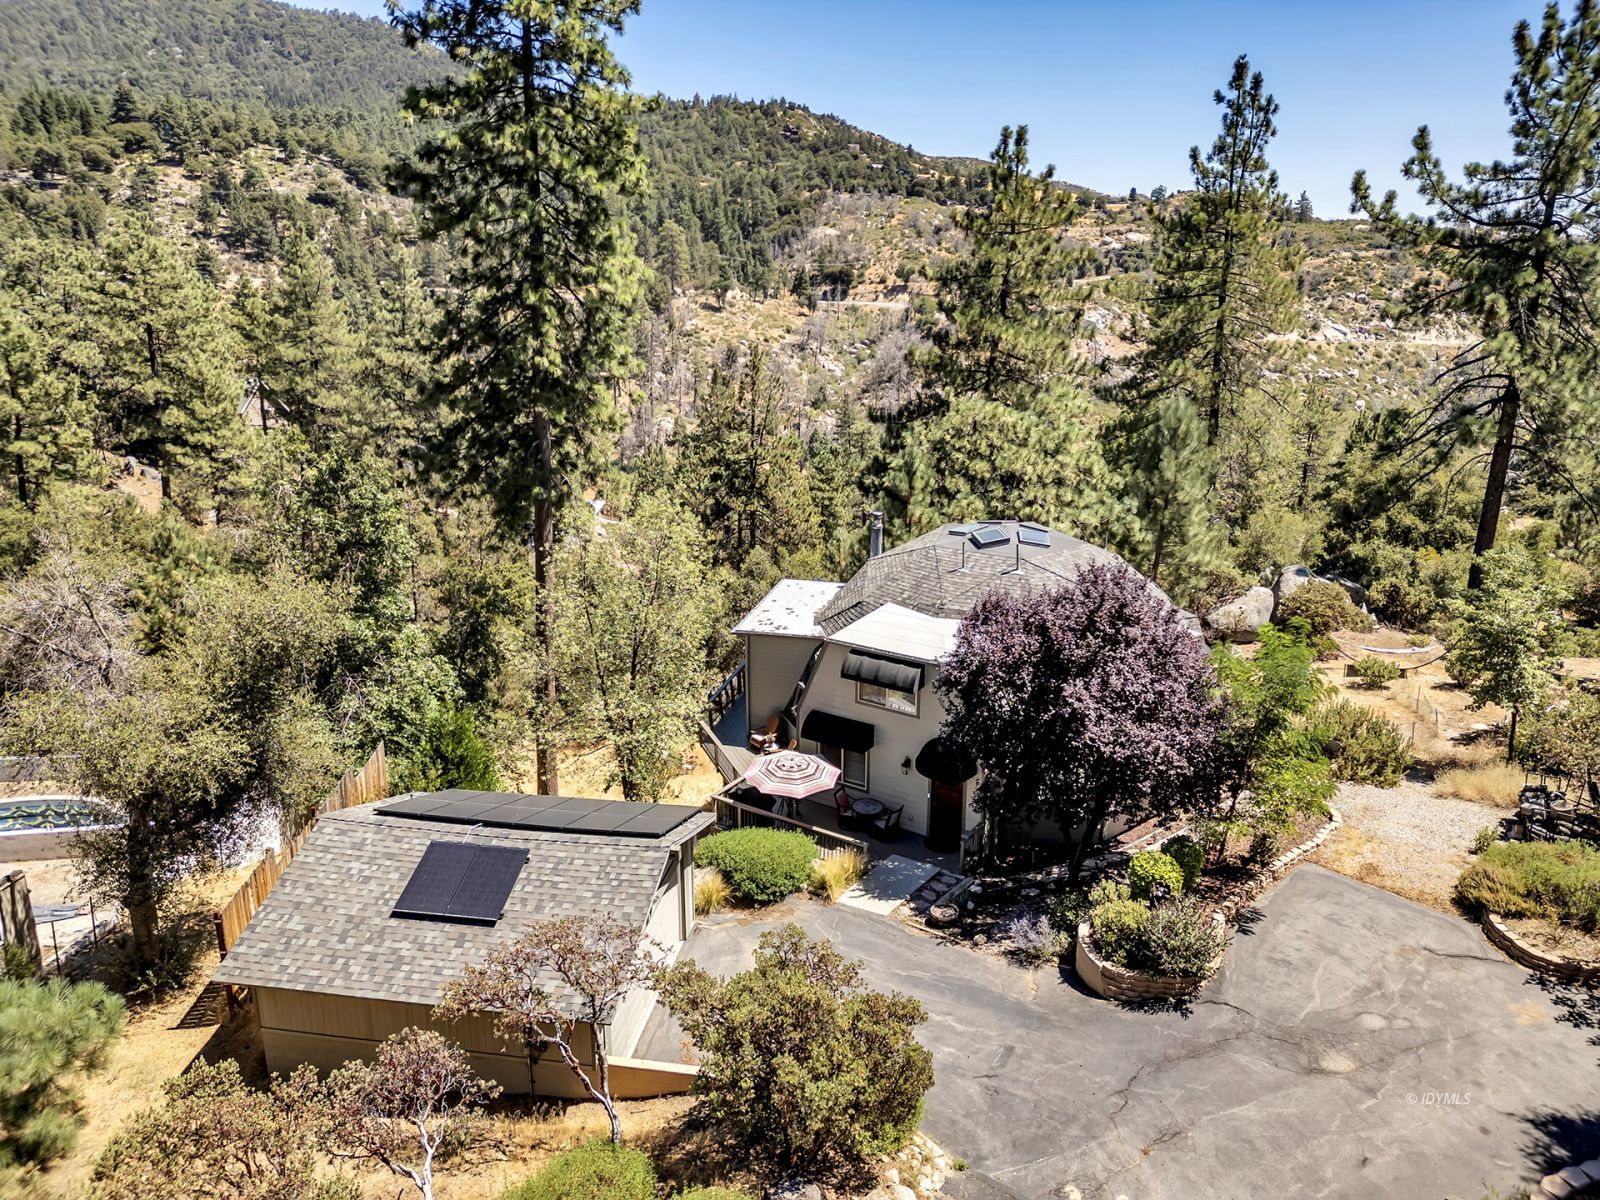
column 1291, row 580
column 1241, row 618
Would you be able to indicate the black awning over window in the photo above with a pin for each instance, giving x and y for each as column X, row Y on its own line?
column 833, row 730
column 885, row 672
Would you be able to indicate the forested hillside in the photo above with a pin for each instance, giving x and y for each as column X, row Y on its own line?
column 210, row 49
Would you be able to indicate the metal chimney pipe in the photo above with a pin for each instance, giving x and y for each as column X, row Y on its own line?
column 875, row 535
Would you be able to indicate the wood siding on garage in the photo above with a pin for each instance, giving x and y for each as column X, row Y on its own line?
column 326, row 1031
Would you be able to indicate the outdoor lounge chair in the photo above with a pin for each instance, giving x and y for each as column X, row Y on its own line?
column 770, row 741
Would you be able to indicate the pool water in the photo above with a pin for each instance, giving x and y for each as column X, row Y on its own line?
column 48, row 812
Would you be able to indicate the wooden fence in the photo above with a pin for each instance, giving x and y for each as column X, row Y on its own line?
column 370, row 783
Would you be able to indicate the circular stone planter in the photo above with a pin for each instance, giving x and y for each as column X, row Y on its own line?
column 1514, row 948
column 1119, row 983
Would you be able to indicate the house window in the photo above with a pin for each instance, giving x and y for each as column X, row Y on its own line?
column 893, row 699
column 852, row 765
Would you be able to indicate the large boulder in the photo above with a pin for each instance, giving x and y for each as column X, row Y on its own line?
column 1291, row 580
column 1357, row 593
column 1241, row 618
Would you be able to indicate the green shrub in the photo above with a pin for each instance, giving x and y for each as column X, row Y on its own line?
column 1150, row 867
column 799, row 1059
column 1323, row 606
column 451, row 753
column 713, row 1193
column 1108, row 890
column 599, row 1171
column 1408, row 605
column 1189, row 855
column 1484, row 838
column 1557, row 880
column 1363, row 746
column 761, row 865
column 1068, row 910
column 1178, row 939
column 1373, row 672
column 1118, row 926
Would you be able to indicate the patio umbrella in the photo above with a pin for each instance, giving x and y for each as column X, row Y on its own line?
column 792, row 774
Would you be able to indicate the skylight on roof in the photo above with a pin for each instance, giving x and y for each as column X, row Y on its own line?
column 1033, row 535
column 987, row 536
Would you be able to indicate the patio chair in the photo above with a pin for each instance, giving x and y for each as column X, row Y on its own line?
column 842, row 801
column 778, row 736
column 886, row 825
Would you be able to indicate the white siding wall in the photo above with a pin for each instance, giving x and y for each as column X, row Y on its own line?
column 774, row 667
column 899, row 736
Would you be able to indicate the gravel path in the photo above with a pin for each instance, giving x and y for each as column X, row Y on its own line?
column 1407, row 839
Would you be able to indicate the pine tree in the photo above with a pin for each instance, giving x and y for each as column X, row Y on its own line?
column 1170, row 487
column 1302, row 208
column 46, row 426
column 147, row 342
column 1008, row 303
column 538, row 147
column 1223, row 285
column 1513, row 250
column 308, row 361
column 741, row 468
column 1003, row 427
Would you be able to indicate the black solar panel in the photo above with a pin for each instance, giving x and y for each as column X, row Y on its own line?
column 988, row 536
column 1033, row 535
column 461, row 881
column 554, row 814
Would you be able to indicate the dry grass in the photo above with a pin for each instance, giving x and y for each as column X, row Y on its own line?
column 711, row 891
column 1496, row 785
column 833, row 877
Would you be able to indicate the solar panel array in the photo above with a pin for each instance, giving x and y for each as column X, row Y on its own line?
column 461, row 881
column 550, row 814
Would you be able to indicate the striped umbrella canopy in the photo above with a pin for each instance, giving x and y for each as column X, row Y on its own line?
column 790, row 773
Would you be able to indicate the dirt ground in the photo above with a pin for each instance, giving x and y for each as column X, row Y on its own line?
column 1410, row 839
column 586, row 771
column 1427, row 706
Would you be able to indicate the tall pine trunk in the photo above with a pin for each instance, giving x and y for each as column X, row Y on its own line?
column 1494, row 487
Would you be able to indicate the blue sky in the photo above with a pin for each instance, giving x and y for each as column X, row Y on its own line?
column 1114, row 93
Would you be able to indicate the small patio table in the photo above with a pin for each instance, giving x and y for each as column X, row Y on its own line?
column 866, row 808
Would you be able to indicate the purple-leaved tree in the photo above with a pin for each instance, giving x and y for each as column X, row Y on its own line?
column 1084, row 703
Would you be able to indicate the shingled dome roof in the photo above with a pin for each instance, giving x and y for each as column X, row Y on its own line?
column 944, row 573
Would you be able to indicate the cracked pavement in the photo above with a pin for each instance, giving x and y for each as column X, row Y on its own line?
column 1355, row 1045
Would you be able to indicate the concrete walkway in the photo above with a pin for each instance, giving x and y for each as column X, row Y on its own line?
column 1356, row 1045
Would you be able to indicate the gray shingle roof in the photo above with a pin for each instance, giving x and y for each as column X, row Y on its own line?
column 943, row 575
column 326, row 926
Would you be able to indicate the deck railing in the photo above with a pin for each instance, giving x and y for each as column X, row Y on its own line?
column 725, row 695
column 726, row 763
column 735, row 814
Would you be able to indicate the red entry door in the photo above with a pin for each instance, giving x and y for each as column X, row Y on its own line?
column 946, row 803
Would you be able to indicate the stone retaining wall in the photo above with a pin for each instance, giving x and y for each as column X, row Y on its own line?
column 1119, row 983
column 1520, row 951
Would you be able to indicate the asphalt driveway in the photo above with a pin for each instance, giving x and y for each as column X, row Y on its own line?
column 1355, row 1045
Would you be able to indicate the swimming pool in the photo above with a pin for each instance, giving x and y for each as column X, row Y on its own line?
column 42, row 826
